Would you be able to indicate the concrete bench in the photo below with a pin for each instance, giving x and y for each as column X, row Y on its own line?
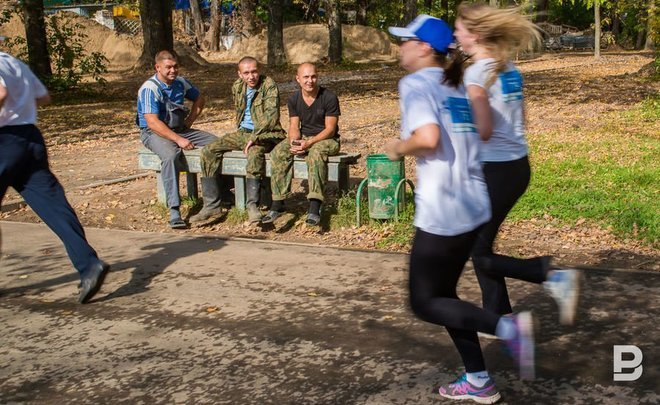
column 233, row 164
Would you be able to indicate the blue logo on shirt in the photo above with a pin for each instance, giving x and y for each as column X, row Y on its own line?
column 461, row 115
column 511, row 86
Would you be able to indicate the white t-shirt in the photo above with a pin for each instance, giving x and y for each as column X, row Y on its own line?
column 23, row 89
column 451, row 196
column 506, row 102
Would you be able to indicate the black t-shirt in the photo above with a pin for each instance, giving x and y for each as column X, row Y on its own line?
column 312, row 118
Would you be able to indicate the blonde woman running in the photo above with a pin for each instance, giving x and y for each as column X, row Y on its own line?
column 494, row 86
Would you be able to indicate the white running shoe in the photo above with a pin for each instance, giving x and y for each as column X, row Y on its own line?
column 564, row 286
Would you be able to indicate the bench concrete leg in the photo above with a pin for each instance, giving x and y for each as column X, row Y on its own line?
column 343, row 178
column 160, row 189
column 239, row 192
column 191, row 185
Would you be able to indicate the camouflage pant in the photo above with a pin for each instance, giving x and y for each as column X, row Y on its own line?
column 211, row 154
column 281, row 162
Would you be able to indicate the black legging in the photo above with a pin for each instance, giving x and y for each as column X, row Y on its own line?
column 506, row 182
column 436, row 263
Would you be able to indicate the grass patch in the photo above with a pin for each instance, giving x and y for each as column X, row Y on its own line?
column 391, row 233
column 608, row 176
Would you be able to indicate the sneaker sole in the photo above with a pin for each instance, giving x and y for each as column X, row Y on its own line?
column 569, row 305
column 526, row 360
column 481, row 400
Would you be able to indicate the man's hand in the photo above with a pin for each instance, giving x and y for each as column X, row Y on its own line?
column 300, row 146
column 391, row 149
column 188, row 122
column 248, row 146
column 184, row 143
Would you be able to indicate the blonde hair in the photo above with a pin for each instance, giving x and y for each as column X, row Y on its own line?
column 502, row 31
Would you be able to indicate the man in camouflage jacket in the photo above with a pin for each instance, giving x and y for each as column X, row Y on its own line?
column 257, row 103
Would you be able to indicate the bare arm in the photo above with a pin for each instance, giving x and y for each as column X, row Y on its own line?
column 162, row 130
column 195, row 110
column 3, row 95
column 483, row 117
column 43, row 100
column 294, row 128
column 424, row 139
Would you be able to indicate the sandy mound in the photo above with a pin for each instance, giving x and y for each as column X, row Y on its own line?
column 121, row 50
column 304, row 43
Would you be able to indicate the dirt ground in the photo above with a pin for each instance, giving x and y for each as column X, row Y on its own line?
column 91, row 142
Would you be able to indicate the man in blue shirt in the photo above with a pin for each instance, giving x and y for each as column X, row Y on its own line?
column 165, row 124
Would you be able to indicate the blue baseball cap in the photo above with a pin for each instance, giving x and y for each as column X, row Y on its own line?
column 431, row 30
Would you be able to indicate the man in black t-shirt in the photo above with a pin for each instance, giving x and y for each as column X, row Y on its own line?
column 314, row 133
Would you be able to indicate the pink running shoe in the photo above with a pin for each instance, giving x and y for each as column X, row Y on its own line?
column 462, row 389
column 521, row 346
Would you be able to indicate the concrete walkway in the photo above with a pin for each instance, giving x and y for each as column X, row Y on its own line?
column 215, row 321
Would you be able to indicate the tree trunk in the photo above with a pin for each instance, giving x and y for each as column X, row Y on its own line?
column 409, row 11
column 597, row 30
column 37, row 43
column 276, row 55
column 541, row 10
column 156, row 16
column 493, row 3
column 247, row 11
column 361, row 14
column 214, row 30
column 198, row 22
column 428, row 5
column 650, row 44
column 333, row 10
column 616, row 25
column 444, row 5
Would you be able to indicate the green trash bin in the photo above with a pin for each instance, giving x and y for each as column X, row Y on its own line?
column 383, row 176
column 385, row 179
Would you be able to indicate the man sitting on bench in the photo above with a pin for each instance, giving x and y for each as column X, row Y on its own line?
column 313, row 133
column 165, row 124
column 257, row 103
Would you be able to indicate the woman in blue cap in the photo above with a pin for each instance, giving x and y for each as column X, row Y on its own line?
column 452, row 204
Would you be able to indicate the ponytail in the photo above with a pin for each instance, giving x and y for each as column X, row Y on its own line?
column 454, row 70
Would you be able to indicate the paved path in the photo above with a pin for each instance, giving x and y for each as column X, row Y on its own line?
column 215, row 321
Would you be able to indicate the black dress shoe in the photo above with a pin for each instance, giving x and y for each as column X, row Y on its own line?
column 91, row 280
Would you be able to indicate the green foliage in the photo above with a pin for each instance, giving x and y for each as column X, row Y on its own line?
column 68, row 57
column 608, row 177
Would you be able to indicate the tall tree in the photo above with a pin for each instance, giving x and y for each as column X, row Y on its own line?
column 409, row 11
column 156, row 16
column 361, row 12
column 214, row 29
column 333, row 10
column 428, row 4
column 247, row 10
column 276, row 55
column 444, row 5
column 597, row 28
column 198, row 22
column 37, row 43
column 541, row 8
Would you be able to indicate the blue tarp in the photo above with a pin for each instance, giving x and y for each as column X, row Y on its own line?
column 181, row 4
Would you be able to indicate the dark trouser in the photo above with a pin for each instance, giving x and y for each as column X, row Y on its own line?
column 506, row 182
column 170, row 157
column 24, row 166
column 436, row 263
